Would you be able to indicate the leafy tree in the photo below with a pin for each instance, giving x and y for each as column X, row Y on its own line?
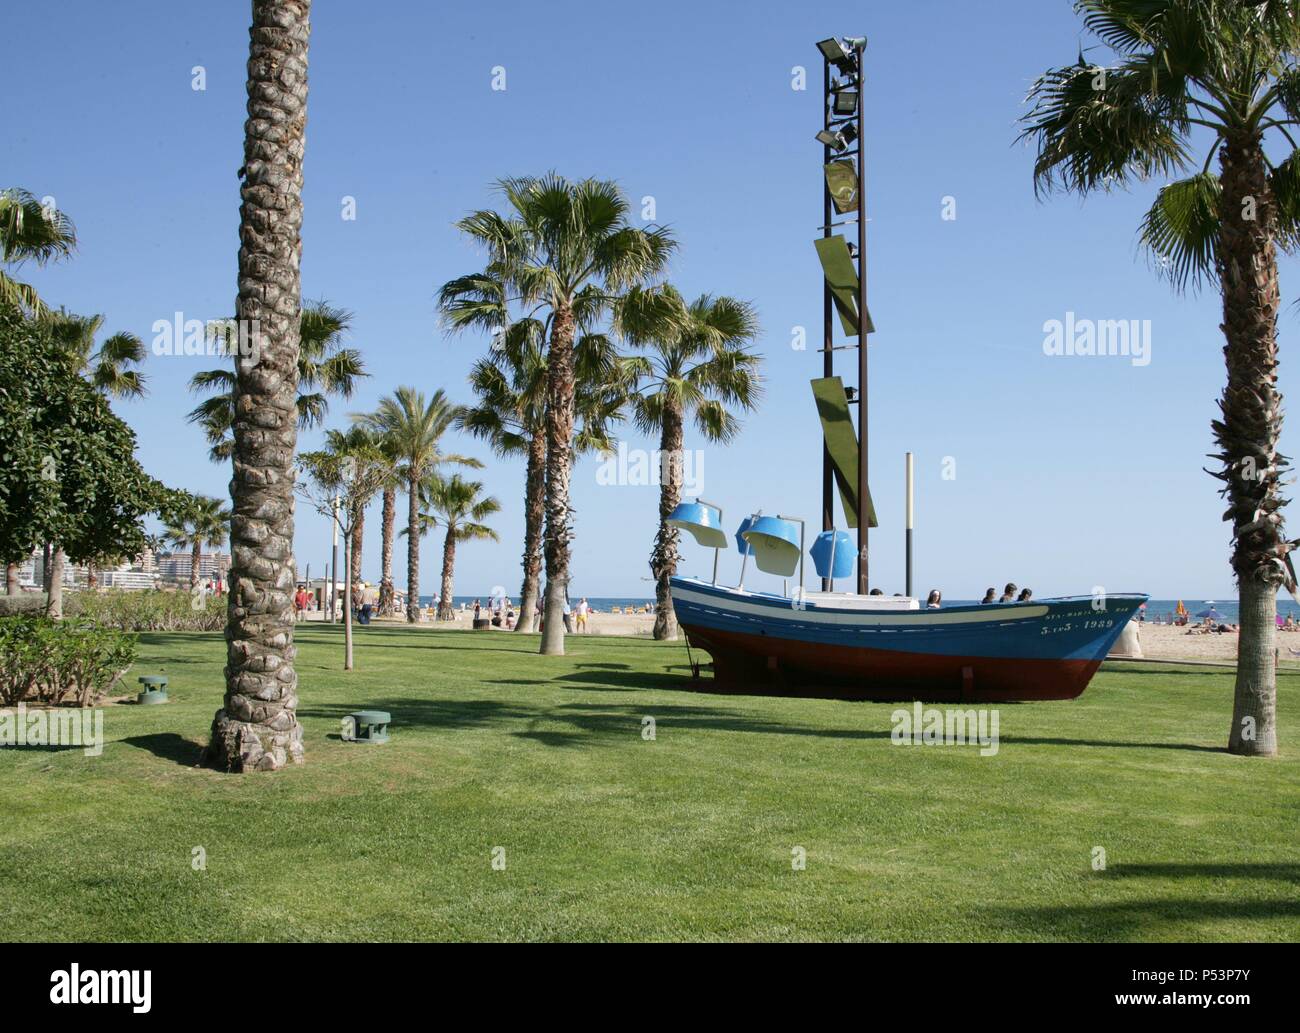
column 350, row 469
column 1223, row 74
column 70, row 472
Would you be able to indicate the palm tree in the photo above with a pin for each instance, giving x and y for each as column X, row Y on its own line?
column 257, row 727
column 204, row 521
column 29, row 232
column 411, row 428
column 460, row 507
column 1223, row 70
column 325, row 369
column 387, row 594
column 108, row 367
column 695, row 365
column 511, row 409
column 569, row 249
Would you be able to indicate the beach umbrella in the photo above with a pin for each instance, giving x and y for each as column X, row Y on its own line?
column 1180, row 609
column 1212, row 613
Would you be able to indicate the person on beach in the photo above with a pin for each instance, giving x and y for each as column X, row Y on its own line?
column 989, row 596
column 935, row 600
column 1025, row 596
column 568, row 617
column 1008, row 593
column 583, row 609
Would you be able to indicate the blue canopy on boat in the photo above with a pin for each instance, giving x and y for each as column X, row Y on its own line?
column 844, row 549
column 704, row 522
column 745, row 548
column 776, row 545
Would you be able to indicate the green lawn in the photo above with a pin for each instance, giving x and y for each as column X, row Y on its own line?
column 609, row 836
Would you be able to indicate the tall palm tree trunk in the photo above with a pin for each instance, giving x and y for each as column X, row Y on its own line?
column 1248, row 432
column 413, row 551
column 257, row 728
column 663, row 561
column 448, row 575
column 534, row 518
column 196, row 563
column 386, row 593
column 358, row 530
column 11, row 579
column 559, row 468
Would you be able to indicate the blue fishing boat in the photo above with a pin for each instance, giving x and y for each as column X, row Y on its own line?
column 845, row 646
column 865, row 645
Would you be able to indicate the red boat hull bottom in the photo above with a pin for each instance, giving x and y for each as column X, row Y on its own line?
column 762, row 666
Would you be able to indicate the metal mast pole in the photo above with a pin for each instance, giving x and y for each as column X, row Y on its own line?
column 859, row 55
column 334, row 557
column 908, row 537
column 828, row 337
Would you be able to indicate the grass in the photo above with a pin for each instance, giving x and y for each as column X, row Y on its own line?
column 608, row 835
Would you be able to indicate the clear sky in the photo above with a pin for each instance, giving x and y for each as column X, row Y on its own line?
column 1070, row 471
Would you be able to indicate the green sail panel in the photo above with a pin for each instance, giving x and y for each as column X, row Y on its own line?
column 837, row 264
column 842, row 443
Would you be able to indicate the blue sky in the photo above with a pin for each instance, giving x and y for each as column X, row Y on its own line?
column 1070, row 471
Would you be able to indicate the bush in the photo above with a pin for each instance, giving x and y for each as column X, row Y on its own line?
column 47, row 661
column 28, row 602
column 148, row 611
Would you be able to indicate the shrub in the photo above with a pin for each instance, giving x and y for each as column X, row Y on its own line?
column 47, row 661
column 148, row 611
column 28, row 602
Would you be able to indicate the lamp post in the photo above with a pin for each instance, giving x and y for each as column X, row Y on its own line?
column 844, row 137
column 863, row 321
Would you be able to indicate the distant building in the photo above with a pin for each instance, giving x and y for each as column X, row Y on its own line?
column 176, row 567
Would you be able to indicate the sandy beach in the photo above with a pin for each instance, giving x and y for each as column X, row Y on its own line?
column 1158, row 641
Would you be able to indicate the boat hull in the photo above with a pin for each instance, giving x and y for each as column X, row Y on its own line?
column 765, row 645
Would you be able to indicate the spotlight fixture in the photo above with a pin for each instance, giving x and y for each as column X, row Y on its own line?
column 838, row 139
column 845, row 103
column 840, row 52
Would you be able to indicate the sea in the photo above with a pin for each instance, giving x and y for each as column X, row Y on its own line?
column 1156, row 608
column 602, row 603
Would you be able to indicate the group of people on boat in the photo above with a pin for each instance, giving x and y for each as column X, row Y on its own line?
column 1008, row 595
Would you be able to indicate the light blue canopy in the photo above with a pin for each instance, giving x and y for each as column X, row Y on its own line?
column 776, row 545
column 844, row 549
column 745, row 548
column 704, row 522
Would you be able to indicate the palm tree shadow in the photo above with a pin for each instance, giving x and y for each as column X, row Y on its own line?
column 168, row 746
